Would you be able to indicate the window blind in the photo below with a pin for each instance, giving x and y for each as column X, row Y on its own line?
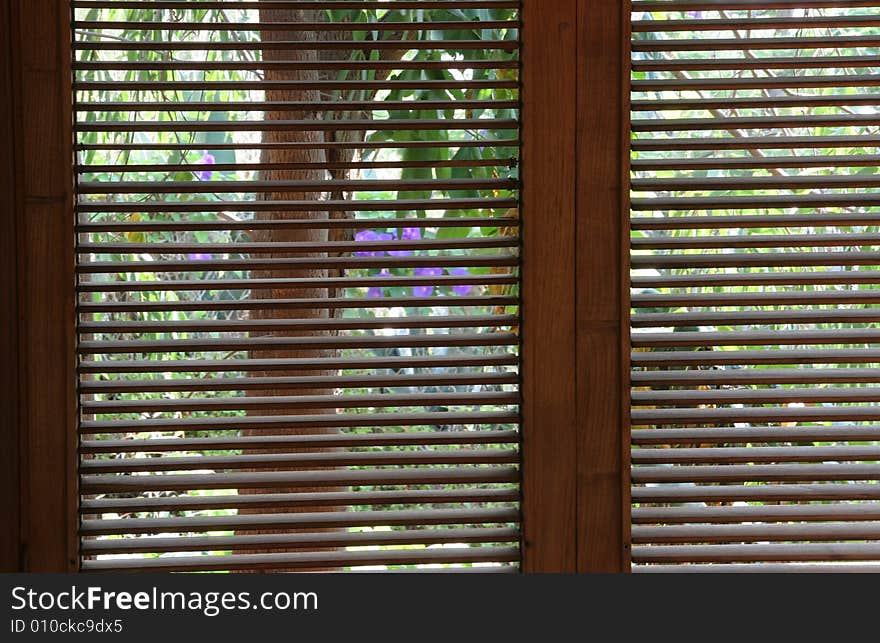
column 297, row 242
column 755, row 286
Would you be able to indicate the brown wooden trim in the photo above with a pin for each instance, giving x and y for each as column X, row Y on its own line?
column 548, row 285
column 602, row 301
column 42, row 156
column 575, row 347
column 10, row 499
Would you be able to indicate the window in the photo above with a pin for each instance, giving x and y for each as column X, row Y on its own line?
column 754, row 286
column 298, row 282
column 461, row 285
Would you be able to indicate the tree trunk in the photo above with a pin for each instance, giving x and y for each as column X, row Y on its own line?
column 293, row 155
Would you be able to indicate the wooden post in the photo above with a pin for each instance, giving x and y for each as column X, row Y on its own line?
column 39, row 288
column 575, row 280
column 10, row 499
column 549, row 84
column 603, row 286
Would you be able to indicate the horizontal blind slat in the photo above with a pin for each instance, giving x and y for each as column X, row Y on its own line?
column 353, row 539
column 301, row 441
column 316, row 520
column 268, row 423
column 309, row 560
column 307, row 479
column 308, row 500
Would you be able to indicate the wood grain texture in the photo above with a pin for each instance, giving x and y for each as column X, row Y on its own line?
column 602, row 309
column 548, row 286
column 44, row 306
column 10, row 499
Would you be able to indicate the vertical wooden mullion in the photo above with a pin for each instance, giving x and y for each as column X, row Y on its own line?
column 45, row 283
column 575, row 338
column 10, row 483
column 602, row 296
column 549, row 480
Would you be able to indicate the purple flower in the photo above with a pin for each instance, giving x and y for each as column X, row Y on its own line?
column 695, row 14
column 207, row 159
column 426, row 291
column 199, row 256
column 409, row 234
column 461, row 289
column 482, row 135
column 376, row 291
column 364, row 236
column 369, row 235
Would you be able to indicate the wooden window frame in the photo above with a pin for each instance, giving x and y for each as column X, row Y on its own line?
column 575, row 348
column 575, row 352
column 38, row 385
